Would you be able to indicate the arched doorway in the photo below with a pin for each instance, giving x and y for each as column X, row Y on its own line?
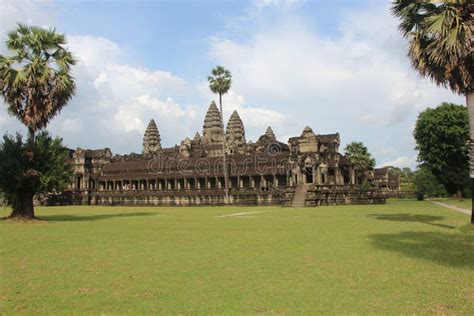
column 309, row 174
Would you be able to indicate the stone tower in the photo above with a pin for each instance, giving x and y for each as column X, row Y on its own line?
column 212, row 130
column 151, row 140
column 235, row 133
column 269, row 133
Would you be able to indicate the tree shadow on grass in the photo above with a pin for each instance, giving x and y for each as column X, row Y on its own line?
column 89, row 218
column 453, row 250
column 403, row 217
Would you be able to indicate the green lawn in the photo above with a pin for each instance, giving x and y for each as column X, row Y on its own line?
column 464, row 203
column 406, row 257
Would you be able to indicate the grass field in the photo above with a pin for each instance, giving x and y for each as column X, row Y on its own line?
column 406, row 257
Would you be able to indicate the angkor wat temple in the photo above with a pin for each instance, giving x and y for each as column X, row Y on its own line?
column 308, row 170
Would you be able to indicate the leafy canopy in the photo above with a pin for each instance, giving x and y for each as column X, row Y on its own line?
column 441, row 136
column 220, row 80
column 426, row 183
column 35, row 81
column 441, row 40
column 48, row 172
column 359, row 156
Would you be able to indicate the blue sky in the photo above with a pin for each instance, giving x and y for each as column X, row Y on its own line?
column 174, row 35
column 337, row 66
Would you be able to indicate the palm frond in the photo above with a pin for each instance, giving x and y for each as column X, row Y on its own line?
column 35, row 82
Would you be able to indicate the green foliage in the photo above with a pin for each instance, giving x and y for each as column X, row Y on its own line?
column 440, row 35
column 359, row 156
column 220, row 80
column 426, row 183
column 441, row 136
column 47, row 172
column 35, row 81
column 406, row 178
column 366, row 186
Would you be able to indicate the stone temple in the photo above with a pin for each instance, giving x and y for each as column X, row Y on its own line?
column 307, row 170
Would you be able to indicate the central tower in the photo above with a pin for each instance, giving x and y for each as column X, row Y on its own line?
column 212, row 130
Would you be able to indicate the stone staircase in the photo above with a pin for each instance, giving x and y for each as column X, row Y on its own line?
column 299, row 197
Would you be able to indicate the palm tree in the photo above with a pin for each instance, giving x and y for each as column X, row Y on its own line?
column 35, row 83
column 441, row 43
column 220, row 81
column 359, row 157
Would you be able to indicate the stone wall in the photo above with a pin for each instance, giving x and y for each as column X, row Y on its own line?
column 319, row 195
column 202, row 197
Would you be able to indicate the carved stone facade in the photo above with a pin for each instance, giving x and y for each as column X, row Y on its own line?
column 267, row 172
column 235, row 134
column 151, row 140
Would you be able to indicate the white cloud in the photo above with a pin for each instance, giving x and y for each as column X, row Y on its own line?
column 401, row 162
column 39, row 12
column 261, row 4
column 357, row 82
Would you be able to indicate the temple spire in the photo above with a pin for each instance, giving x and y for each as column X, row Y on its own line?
column 212, row 130
column 269, row 133
column 235, row 133
column 152, row 139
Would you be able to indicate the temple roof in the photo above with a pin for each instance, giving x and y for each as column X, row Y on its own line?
column 172, row 168
column 381, row 172
column 93, row 153
column 329, row 138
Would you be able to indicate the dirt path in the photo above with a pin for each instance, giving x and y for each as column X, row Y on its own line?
column 455, row 208
column 242, row 214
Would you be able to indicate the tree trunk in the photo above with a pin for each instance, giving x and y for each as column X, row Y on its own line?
column 226, row 185
column 23, row 206
column 470, row 109
column 22, row 203
column 472, row 201
column 31, row 137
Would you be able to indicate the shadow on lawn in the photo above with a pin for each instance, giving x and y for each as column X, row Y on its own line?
column 87, row 218
column 454, row 250
column 402, row 217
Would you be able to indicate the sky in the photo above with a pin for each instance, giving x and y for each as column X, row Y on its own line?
column 336, row 66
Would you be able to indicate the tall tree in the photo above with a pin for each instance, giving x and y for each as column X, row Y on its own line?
column 359, row 157
column 35, row 83
column 441, row 136
column 21, row 178
column 441, row 42
column 220, row 81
